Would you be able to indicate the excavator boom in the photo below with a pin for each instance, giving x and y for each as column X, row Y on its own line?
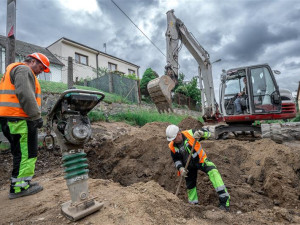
column 160, row 87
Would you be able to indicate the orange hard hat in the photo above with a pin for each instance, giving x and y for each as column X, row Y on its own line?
column 43, row 59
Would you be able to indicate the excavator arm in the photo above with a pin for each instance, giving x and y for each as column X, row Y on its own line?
column 159, row 88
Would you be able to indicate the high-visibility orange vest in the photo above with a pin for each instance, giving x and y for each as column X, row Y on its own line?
column 9, row 103
column 190, row 139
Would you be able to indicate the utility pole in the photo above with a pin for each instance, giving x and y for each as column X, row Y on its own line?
column 10, row 32
column 104, row 46
column 70, row 72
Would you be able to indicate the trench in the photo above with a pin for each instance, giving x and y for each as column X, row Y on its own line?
column 130, row 159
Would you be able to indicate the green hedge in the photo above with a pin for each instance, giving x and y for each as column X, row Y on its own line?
column 138, row 118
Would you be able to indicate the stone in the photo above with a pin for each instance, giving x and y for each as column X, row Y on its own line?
column 250, row 179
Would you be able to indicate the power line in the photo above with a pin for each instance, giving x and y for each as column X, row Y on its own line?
column 138, row 28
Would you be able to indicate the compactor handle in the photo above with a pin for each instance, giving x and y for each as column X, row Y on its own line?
column 69, row 91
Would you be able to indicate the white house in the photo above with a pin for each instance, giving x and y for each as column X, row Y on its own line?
column 87, row 60
column 23, row 49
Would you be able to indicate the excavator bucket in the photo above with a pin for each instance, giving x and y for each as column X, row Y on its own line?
column 160, row 92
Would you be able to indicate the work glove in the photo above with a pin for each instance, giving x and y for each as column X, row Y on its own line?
column 38, row 123
column 198, row 134
column 183, row 172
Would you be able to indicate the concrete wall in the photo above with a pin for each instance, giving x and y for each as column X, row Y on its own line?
column 3, row 60
column 62, row 51
column 103, row 61
column 55, row 49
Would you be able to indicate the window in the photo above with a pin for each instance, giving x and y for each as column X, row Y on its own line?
column 263, row 90
column 112, row 67
column 44, row 76
column 82, row 59
column 232, row 87
column 131, row 71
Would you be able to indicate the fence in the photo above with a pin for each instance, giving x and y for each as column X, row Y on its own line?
column 181, row 99
column 117, row 84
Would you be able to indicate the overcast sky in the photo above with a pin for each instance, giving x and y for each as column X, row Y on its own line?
column 240, row 32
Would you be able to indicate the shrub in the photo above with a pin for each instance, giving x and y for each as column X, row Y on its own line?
column 148, row 75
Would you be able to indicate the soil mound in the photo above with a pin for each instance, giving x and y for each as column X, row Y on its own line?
column 259, row 174
column 190, row 123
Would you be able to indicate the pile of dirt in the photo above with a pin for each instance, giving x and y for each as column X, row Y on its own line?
column 139, row 154
column 258, row 175
column 190, row 123
column 134, row 175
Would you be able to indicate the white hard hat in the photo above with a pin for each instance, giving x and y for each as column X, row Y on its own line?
column 171, row 132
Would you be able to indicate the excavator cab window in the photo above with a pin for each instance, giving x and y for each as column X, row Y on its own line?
column 266, row 97
column 235, row 85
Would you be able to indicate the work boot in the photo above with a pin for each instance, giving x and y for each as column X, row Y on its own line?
column 29, row 191
column 224, row 208
column 224, row 203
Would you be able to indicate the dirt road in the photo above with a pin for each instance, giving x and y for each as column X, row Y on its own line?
column 133, row 174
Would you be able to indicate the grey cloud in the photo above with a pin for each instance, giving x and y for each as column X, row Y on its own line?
column 252, row 41
column 259, row 27
column 291, row 65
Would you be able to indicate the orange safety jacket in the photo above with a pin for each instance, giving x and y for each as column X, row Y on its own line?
column 9, row 102
column 190, row 139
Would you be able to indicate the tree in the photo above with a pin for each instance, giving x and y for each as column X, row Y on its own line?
column 131, row 76
column 189, row 89
column 193, row 91
column 181, row 77
column 148, row 75
column 102, row 71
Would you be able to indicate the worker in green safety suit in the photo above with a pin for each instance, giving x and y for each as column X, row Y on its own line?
column 20, row 118
column 181, row 145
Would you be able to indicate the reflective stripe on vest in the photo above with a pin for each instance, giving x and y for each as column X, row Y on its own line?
column 9, row 102
column 198, row 148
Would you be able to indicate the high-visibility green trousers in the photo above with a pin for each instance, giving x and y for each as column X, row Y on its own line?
column 23, row 138
column 215, row 178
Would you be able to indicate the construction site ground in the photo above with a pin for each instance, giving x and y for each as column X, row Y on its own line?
column 132, row 173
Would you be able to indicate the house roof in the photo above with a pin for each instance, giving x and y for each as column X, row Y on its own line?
column 93, row 49
column 23, row 49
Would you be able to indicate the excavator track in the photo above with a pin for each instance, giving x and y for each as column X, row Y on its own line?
column 160, row 93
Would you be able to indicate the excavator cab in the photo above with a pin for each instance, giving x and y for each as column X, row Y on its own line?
column 236, row 89
column 253, row 87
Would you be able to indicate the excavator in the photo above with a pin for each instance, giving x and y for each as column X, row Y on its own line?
column 261, row 100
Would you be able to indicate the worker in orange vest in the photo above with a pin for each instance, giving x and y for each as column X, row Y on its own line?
column 20, row 118
column 181, row 145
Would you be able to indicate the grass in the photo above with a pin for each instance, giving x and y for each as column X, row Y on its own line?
column 137, row 118
column 95, row 116
column 57, row 87
column 297, row 118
